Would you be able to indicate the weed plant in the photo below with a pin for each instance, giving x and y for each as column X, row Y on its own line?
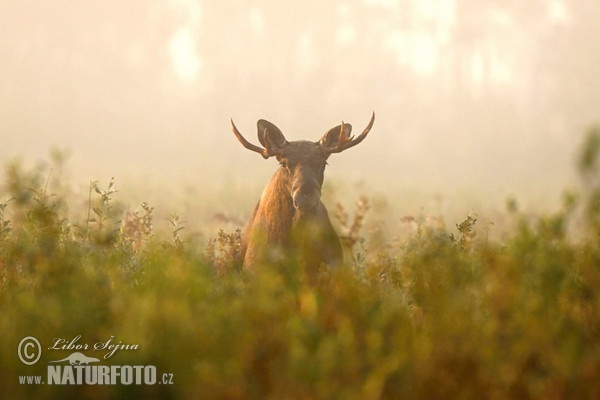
column 440, row 314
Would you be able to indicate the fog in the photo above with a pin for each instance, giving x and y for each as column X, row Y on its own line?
column 488, row 99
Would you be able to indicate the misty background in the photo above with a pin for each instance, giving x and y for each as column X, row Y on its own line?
column 476, row 99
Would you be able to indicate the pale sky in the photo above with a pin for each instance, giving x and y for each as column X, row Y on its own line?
column 488, row 98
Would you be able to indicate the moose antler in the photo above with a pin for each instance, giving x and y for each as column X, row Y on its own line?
column 345, row 142
column 266, row 152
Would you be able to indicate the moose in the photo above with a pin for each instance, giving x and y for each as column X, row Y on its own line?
column 290, row 220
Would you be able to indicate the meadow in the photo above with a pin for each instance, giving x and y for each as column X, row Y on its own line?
column 440, row 312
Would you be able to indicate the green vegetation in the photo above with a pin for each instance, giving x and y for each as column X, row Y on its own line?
column 439, row 314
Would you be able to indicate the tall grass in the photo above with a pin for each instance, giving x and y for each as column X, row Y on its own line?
column 442, row 313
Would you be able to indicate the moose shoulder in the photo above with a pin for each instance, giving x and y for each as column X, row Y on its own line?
column 290, row 220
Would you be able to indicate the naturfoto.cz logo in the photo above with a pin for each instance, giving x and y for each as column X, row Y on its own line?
column 78, row 368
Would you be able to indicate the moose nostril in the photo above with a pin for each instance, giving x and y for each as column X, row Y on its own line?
column 297, row 199
column 304, row 201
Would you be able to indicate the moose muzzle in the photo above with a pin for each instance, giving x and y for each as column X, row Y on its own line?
column 306, row 191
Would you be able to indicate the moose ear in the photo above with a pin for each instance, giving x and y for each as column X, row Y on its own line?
column 332, row 137
column 269, row 135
